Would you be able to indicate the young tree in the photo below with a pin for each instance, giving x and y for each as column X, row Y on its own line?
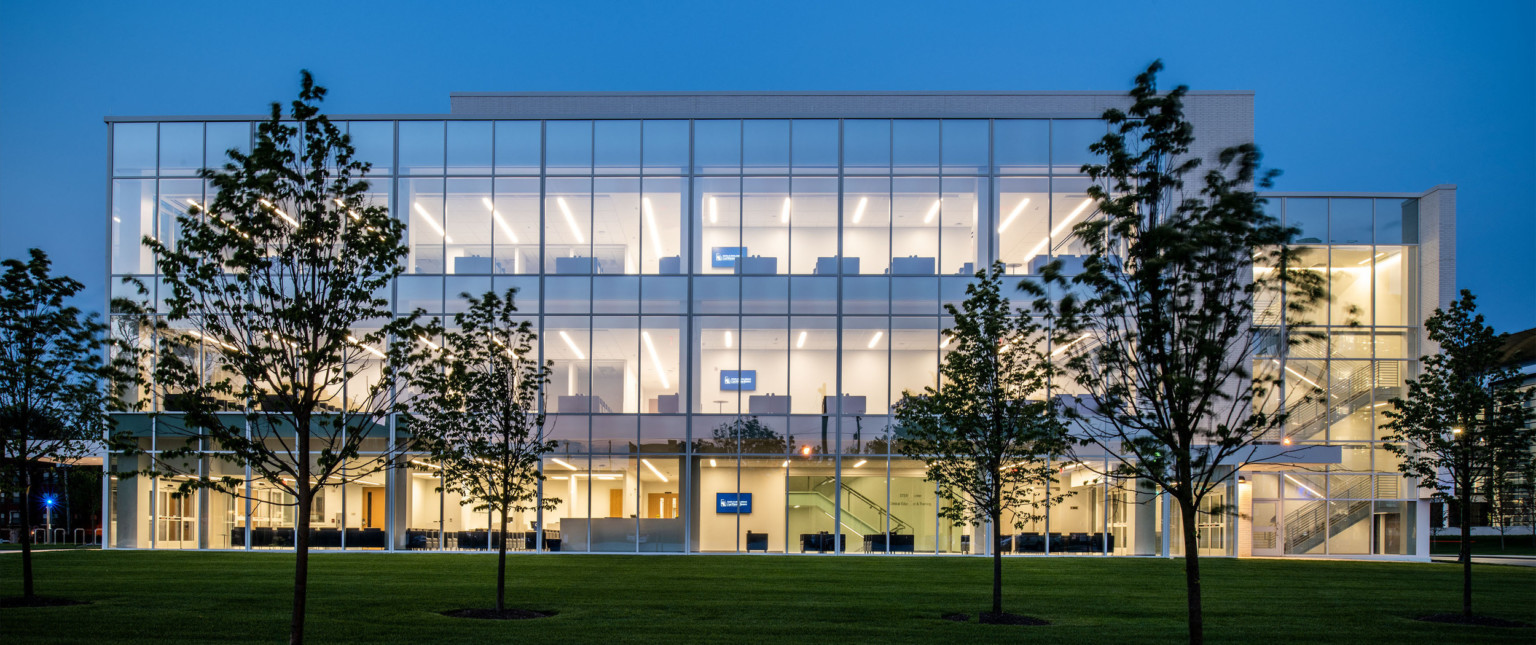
column 55, row 384
column 476, row 409
column 1462, row 420
column 988, row 433
column 1158, row 328
column 272, row 306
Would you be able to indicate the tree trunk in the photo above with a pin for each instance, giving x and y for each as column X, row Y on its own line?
column 1465, row 552
column 997, row 564
column 26, row 532
column 1192, row 573
column 301, row 554
column 501, row 566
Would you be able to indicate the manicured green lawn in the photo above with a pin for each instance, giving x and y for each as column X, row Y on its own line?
column 152, row 597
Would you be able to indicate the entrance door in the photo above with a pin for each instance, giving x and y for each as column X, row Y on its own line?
column 1266, row 529
column 373, row 508
column 661, row 505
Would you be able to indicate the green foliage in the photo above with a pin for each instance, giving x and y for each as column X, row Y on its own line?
column 274, row 299
column 1463, row 423
column 987, row 434
column 476, row 407
column 745, row 434
column 56, row 386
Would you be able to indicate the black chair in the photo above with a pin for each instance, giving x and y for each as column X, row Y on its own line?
column 416, row 539
column 757, row 542
column 1057, row 543
column 903, row 543
column 1030, row 543
column 1078, row 543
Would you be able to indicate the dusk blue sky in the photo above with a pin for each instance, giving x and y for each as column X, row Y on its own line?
column 1359, row 96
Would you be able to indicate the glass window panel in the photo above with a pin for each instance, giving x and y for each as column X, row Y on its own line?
column 1022, row 145
column 718, row 204
column 419, row 292
column 1310, row 216
column 133, row 218
column 662, row 234
column 421, row 208
column 766, row 211
column 515, row 219
column 760, row 294
column 717, row 341
column 567, row 294
column 468, row 224
column 717, row 146
column 815, row 146
column 527, row 296
column 914, row 355
column 813, row 295
column 1349, row 221
column 1394, row 343
column 716, row 294
column 1311, row 258
column 568, row 147
column 866, row 295
column 176, row 199
column 1349, row 527
column 373, row 142
column 661, row 346
column 133, row 149
column 867, row 146
column 666, row 147
column 952, row 290
column 223, row 136
column 765, row 344
column 615, row 294
column 915, row 295
column 663, row 295
column 660, row 433
column 456, row 288
column 866, row 225
column 812, row 363
column 568, row 226
column 1349, row 286
column 568, row 345
column 517, row 147
column 765, row 146
column 963, row 202
column 813, row 226
column 1397, row 300
column 915, row 210
column 616, row 225
column 866, row 365
column 1070, row 205
column 1070, row 139
column 616, row 147
column 181, row 148
column 965, row 146
column 421, row 147
column 614, row 434
column 1349, row 344
column 915, row 145
column 615, row 365
column 469, row 147
column 1023, row 222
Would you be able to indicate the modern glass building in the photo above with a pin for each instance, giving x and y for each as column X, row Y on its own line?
column 735, row 288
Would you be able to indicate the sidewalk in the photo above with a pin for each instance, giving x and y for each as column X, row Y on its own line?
column 1509, row 560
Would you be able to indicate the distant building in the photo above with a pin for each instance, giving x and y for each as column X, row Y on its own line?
column 697, row 263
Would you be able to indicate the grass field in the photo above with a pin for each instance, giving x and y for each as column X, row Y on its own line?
column 153, row 597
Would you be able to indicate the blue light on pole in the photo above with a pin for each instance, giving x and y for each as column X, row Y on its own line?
column 49, row 501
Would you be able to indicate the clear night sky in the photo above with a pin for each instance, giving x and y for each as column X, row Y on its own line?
column 1360, row 96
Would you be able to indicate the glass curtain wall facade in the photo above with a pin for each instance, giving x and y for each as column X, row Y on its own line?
column 731, row 307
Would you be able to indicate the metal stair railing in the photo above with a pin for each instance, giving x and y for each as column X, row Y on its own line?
column 1307, row 526
column 897, row 525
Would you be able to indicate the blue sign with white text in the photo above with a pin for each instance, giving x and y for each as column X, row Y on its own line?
column 738, row 503
column 725, row 257
column 738, row 380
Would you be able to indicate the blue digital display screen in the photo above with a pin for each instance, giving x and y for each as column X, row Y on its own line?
column 736, row 503
column 725, row 257
column 738, row 380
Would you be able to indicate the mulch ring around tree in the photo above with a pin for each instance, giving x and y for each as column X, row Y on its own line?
column 1474, row 620
column 1005, row 618
column 498, row 614
column 38, row 601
